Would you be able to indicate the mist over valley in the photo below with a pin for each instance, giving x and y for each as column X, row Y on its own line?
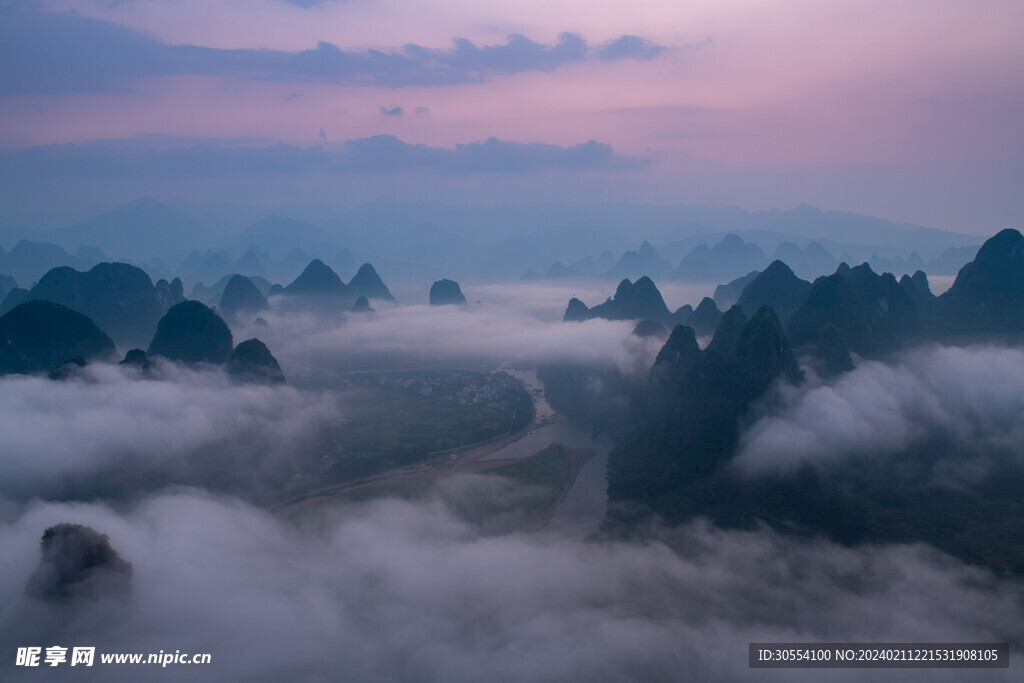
column 343, row 341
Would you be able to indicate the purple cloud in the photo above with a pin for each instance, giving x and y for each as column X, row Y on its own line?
column 45, row 53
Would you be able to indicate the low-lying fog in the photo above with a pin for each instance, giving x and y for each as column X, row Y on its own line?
column 972, row 399
column 420, row 591
column 517, row 324
column 409, row 592
column 111, row 420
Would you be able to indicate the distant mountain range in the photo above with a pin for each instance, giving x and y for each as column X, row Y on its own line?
column 136, row 231
column 732, row 258
column 421, row 241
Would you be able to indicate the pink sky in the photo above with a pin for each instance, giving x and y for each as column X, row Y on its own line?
column 756, row 103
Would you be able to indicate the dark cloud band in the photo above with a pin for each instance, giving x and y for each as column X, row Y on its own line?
column 44, row 53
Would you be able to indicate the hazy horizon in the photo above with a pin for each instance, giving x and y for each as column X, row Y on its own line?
column 908, row 112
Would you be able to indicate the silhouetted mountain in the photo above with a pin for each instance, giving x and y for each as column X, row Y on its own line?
column 68, row 369
column 668, row 465
column 262, row 284
column 911, row 264
column 727, row 334
column 14, row 297
column 212, row 295
column 764, row 353
column 37, row 336
column 674, row 360
column 789, row 253
column 7, row 283
column 119, row 297
column 192, row 333
column 705, row 317
column 726, row 260
column 241, row 297
column 988, row 294
column 832, row 300
column 881, row 264
column 294, row 262
column 817, row 260
column 634, row 301
column 169, row 293
column 368, row 283
column 277, row 236
column 647, row 261
column 576, row 311
column 697, row 264
column 317, row 280
column 892, row 315
column 872, row 313
column 252, row 263
column 209, row 295
column 679, row 353
column 557, row 271
column 78, row 563
column 833, row 352
column 918, row 289
column 431, row 235
column 279, row 247
column 806, row 263
column 207, row 266
column 362, row 305
column 138, row 230
column 650, row 328
column 582, row 269
column 775, row 286
column 728, row 294
column 682, row 314
column 445, row 292
column 28, row 261
column 139, row 359
column 253, row 362
column 950, row 261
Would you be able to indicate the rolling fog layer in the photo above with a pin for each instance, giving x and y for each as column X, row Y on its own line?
column 424, row 590
column 67, row 439
column 109, row 419
column 401, row 591
column 514, row 324
column 970, row 398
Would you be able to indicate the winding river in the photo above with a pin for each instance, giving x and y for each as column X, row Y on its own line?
column 585, row 503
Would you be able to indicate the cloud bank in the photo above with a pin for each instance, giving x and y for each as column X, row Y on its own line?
column 188, row 425
column 967, row 398
column 490, row 333
column 48, row 53
column 410, row 592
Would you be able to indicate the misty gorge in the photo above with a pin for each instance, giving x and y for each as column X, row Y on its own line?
column 360, row 341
